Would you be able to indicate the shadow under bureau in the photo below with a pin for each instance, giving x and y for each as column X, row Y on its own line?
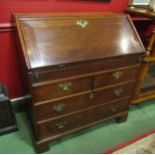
column 81, row 70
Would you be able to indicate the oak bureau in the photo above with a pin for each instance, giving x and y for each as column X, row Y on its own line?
column 81, row 69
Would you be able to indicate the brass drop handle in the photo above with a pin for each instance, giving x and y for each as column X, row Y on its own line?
column 82, row 23
column 65, row 86
column 117, row 75
column 113, row 109
column 59, row 107
column 61, row 125
column 118, row 92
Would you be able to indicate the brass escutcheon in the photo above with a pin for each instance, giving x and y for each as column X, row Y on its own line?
column 118, row 92
column 59, row 107
column 92, row 95
column 82, row 23
column 61, row 125
column 113, row 109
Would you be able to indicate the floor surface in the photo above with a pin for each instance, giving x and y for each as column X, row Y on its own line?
column 96, row 139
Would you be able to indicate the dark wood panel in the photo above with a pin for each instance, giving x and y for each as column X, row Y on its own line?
column 116, row 76
column 52, row 90
column 69, row 122
column 64, row 71
column 49, row 109
column 55, row 41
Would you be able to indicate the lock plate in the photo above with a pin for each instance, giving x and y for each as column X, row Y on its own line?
column 82, row 23
column 59, row 107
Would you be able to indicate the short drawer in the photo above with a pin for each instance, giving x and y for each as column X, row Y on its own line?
column 116, row 76
column 54, row 90
column 56, row 108
column 65, row 70
column 76, row 120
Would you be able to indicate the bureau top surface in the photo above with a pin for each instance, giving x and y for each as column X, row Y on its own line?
column 54, row 39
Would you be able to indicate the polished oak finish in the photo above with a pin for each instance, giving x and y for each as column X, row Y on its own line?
column 81, row 68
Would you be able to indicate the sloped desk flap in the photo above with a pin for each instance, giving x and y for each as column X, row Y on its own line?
column 49, row 40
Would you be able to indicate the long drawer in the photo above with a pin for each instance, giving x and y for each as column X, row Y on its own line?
column 86, row 68
column 66, row 123
column 50, row 109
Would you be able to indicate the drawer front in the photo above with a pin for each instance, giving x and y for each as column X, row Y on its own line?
column 76, row 120
column 57, row 108
column 54, row 90
column 114, row 77
column 85, row 68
